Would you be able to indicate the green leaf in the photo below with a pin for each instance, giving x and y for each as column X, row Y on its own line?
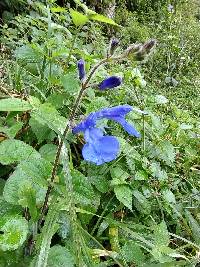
column 48, row 152
column 58, row 9
column 124, row 195
column 70, row 83
column 32, row 172
column 12, row 151
column 141, row 175
column 141, row 203
column 160, row 99
column 47, row 115
column 15, row 230
column 169, row 196
column 102, row 18
column 194, row 226
column 161, row 235
column 13, row 130
column 133, row 253
column 83, row 190
column 14, row 104
column 42, row 131
column 78, row 18
column 119, row 176
column 157, row 172
column 60, row 257
column 28, row 199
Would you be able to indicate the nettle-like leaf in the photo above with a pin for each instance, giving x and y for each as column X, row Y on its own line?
column 70, row 83
column 141, row 203
column 13, row 151
column 60, row 257
column 14, row 104
column 48, row 152
column 78, row 18
column 83, row 190
column 42, row 131
column 164, row 151
column 161, row 235
column 28, row 174
column 124, row 194
column 13, row 130
column 133, row 253
column 47, row 115
column 15, row 230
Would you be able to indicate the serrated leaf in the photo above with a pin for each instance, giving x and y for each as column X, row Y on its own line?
column 124, row 195
column 133, row 253
column 60, row 257
column 194, row 226
column 70, row 83
column 27, row 196
column 169, row 196
column 48, row 152
column 35, row 173
column 161, row 235
column 78, row 18
column 13, row 130
column 101, row 18
column 12, row 151
column 15, row 230
column 140, row 202
column 47, row 115
column 83, row 190
column 161, row 99
column 58, row 9
column 141, row 175
column 157, row 172
column 14, row 104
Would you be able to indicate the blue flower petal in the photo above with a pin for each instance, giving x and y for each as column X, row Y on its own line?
column 110, row 82
column 127, row 126
column 93, row 134
column 108, row 113
column 102, row 150
column 81, row 69
column 89, row 122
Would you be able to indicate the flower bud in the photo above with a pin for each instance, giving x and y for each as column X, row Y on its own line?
column 109, row 83
column 81, row 69
column 114, row 43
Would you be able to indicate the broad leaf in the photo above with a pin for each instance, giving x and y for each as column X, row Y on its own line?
column 14, row 104
column 78, row 18
column 15, row 230
column 12, row 151
column 34, row 173
column 124, row 195
column 60, row 257
column 47, row 115
column 102, row 18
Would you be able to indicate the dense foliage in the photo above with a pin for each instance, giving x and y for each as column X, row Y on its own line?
column 83, row 183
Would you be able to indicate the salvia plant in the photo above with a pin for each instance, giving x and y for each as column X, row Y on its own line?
column 92, row 189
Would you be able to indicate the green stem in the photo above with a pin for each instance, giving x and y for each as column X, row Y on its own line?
column 48, row 231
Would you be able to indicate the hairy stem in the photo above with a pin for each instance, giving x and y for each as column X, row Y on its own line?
column 68, row 126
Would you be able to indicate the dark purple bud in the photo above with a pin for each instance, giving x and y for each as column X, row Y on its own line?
column 81, row 69
column 113, row 46
column 149, row 45
column 110, row 83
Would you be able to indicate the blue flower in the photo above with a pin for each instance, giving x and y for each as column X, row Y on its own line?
column 99, row 148
column 81, row 69
column 113, row 46
column 110, row 82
